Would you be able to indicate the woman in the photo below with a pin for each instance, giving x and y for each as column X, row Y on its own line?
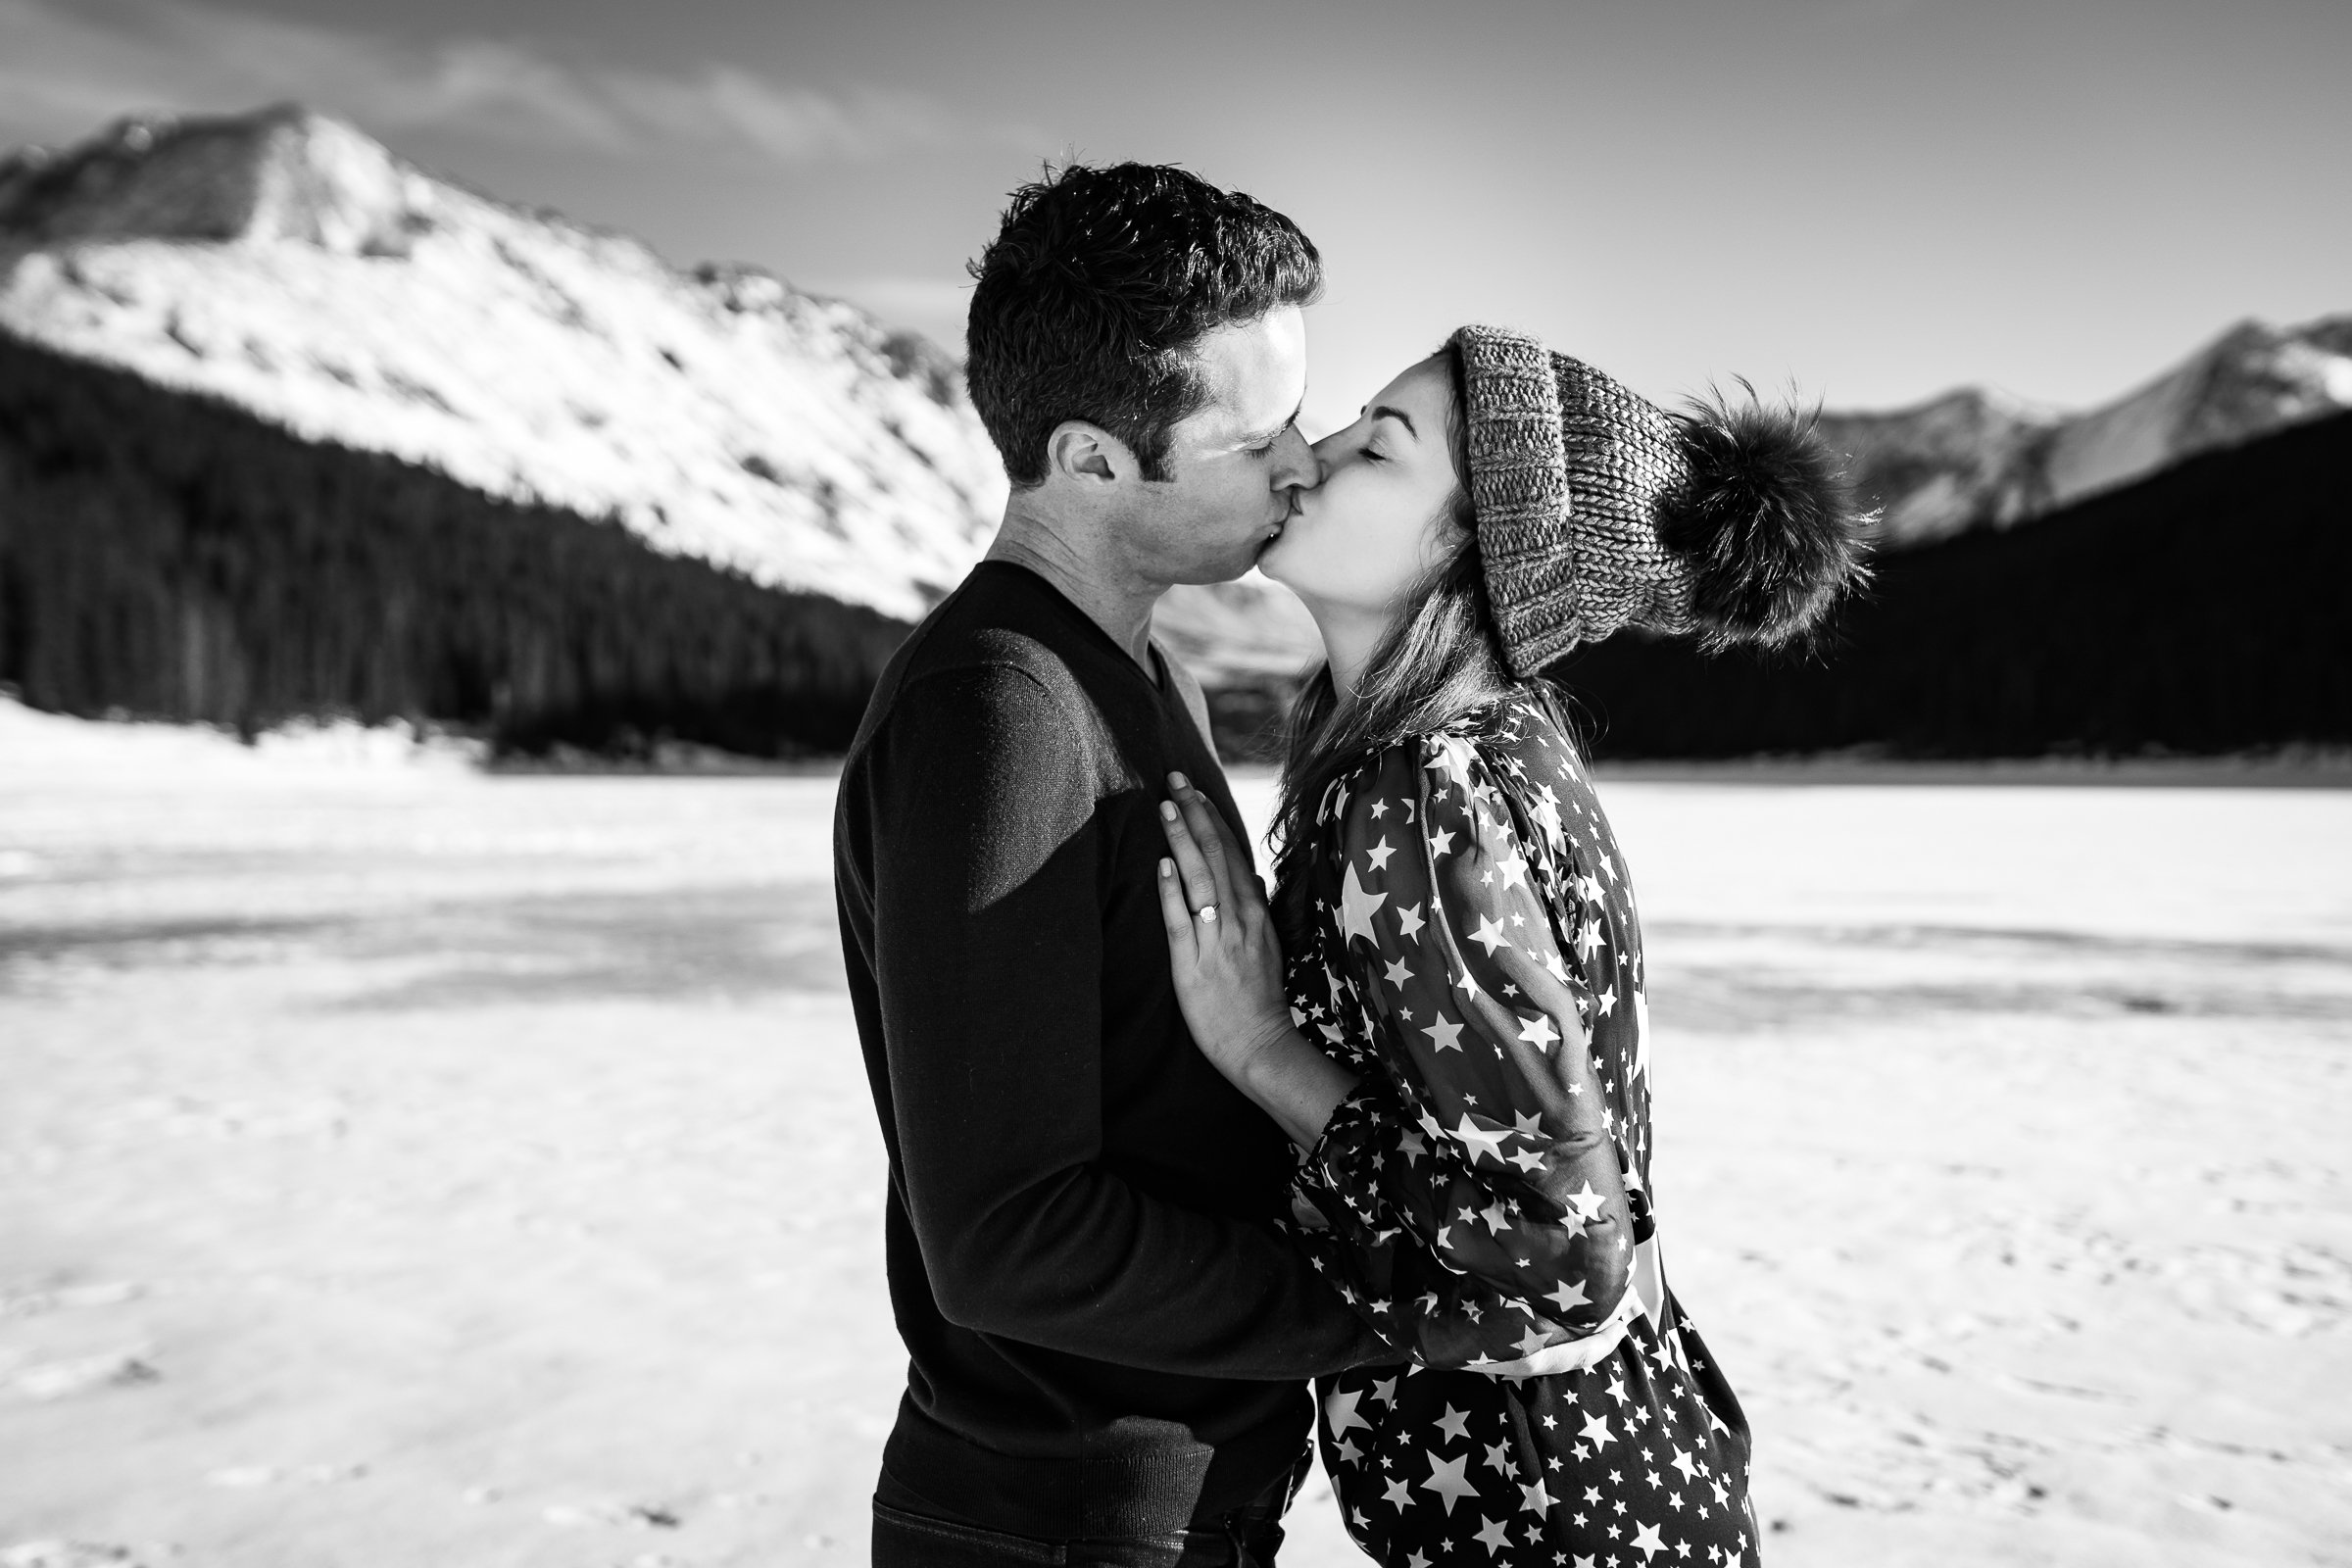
column 1459, row 1039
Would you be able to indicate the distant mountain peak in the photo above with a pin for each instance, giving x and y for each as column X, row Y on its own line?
column 2257, row 377
column 287, row 262
column 279, row 173
column 1975, row 459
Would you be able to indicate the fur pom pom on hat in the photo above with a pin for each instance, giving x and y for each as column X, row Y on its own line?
column 1598, row 509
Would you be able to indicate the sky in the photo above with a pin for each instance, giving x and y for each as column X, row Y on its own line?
column 1864, row 201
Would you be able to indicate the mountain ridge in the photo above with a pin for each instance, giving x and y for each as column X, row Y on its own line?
column 231, row 256
column 1971, row 458
column 284, row 264
column 289, row 263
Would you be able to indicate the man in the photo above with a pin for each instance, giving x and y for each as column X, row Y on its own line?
column 1107, row 1335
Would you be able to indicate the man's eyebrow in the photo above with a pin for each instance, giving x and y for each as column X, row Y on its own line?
column 1383, row 412
column 1261, row 437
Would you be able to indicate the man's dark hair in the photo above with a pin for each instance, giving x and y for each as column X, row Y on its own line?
column 1096, row 291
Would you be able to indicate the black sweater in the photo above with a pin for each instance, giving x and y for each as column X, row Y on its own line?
column 1107, row 1334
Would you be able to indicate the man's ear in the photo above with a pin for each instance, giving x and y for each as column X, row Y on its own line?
column 1088, row 455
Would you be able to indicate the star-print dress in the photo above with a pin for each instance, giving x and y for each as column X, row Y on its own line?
column 1484, row 1194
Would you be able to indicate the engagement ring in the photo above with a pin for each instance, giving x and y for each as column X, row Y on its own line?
column 1209, row 914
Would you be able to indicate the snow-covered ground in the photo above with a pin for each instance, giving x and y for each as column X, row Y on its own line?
column 405, row 1166
column 55, row 747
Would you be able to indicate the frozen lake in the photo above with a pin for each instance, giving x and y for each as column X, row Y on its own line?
column 403, row 1166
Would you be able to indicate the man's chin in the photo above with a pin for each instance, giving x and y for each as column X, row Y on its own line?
column 1226, row 570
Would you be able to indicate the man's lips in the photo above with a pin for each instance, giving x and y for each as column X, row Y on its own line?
column 1273, row 530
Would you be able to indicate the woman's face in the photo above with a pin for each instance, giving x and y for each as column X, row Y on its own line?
column 1379, row 521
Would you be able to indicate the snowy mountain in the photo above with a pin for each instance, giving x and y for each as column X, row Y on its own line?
column 286, row 266
column 1973, row 459
column 287, row 263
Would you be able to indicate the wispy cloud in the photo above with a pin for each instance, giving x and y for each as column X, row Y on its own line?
column 67, row 70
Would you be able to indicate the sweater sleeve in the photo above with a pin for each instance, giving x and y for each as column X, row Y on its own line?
column 988, row 955
column 1472, row 1186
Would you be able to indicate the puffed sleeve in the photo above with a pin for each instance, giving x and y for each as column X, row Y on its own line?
column 1475, row 1205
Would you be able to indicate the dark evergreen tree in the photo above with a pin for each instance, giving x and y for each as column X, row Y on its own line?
column 2207, row 608
column 168, row 555
column 165, row 555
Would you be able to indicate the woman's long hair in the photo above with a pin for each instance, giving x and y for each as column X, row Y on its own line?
column 1442, row 657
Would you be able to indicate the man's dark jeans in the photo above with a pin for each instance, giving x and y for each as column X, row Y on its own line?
column 908, row 1535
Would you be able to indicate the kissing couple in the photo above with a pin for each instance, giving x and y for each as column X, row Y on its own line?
column 1164, row 1147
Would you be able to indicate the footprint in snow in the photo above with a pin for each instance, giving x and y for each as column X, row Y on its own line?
column 54, row 1380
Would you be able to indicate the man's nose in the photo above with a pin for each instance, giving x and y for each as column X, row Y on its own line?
column 1295, row 464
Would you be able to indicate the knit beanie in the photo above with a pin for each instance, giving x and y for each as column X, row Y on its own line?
column 1596, row 510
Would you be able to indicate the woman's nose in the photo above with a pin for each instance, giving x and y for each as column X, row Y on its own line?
column 1299, row 467
column 1322, row 452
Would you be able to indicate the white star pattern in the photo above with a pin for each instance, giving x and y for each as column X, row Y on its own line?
column 1477, row 1140
column 1455, row 758
column 1339, row 1412
column 1425, row 1176
column 1356, row 908
column 1489, row 935
column 1447, row 1480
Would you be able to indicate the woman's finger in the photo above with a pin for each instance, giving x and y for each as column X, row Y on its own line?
column 1192, row 868
column 1182, row 944
column 1240, row 878
column 1240, row 884
column 1208, row 832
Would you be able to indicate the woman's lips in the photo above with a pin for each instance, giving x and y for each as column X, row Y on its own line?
column 1275, row 530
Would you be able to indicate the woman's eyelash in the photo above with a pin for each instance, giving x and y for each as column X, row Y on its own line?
column 1373, row 454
